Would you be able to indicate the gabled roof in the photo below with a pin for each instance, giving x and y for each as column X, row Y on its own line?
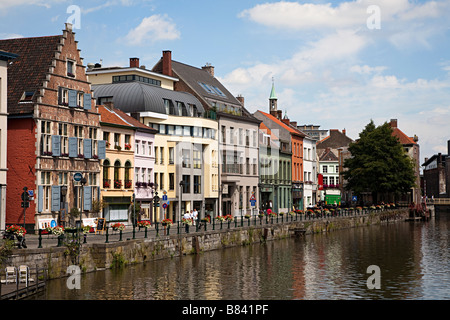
column 328, row 155
column 109, row 116
column 402, row 137
column 289, row 128
column 194, row 77
column 204, row 86
column 334, row 140
column 29, row 70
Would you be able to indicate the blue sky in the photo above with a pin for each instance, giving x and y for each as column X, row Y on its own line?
column 337, row 64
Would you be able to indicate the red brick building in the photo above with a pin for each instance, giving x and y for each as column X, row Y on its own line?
column 53, row 131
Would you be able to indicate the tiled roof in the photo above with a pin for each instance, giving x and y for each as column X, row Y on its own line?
column 282, row 124
column 29, row 70
column 134, row 122
column 117, row 117
column 109, row 116
column 335, row 140
column 402, row 137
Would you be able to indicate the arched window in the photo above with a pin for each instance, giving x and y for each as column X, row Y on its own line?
column 106, row 179
column 117, row 180
column 128, row 181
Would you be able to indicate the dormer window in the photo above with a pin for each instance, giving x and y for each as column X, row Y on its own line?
column 27, row 96
column 71, row 68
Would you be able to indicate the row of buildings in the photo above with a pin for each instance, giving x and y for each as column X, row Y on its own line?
column 95, row 140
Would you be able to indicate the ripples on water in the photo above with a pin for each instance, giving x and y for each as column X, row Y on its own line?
column 413, row 258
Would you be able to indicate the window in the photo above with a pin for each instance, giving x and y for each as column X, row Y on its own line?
column 161, row 181
column 171, row 181
column 241, row 136
column 186, row 159
column 46, row 183
column 117, row 180
column 255, row 167
column 93, row 137
column 161, row 155
column 197, row 159
column 80, row 99
column 223, row 134
column 137, row 143
column 62, row 178
column 27, row 96
column 46, row 143
column 197, row 184
column 171, row 155
column 127, row 175
column 78, row 132
column 106, row 179
column 186, row 184
column 71, row 68
column 324, row 169
column 62, row 131
column 117, row 141
column 106, row 138
column 186, row 131
column 231, row 135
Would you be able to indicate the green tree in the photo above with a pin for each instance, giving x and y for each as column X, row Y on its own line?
column 379, row 164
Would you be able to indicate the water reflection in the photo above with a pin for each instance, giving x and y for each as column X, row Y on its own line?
column 413, row 258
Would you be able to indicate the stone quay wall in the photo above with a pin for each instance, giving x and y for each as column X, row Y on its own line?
column 101, row 256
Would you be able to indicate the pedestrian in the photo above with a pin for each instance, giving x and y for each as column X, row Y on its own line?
column 186, row 216
column 194, row 217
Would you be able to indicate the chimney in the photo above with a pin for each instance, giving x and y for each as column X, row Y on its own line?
column 294, row 124
column 343, row 131
column 286, row 121
column 167, row 63
column 393, row 123
column 279, row 114
column 240, row 99
column 134, row 62
column 209, row 68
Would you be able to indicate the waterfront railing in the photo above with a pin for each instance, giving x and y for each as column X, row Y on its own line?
column 159, row 229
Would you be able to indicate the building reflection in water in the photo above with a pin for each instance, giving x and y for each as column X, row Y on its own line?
column 413, row 259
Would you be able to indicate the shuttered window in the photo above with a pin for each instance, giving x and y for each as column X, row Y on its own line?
column 56, row 198
column 72, row 98
column 56, row 146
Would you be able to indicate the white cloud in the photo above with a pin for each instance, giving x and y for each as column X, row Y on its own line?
column 154, row 28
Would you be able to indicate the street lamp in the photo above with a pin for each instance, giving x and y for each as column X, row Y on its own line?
column 180, row 199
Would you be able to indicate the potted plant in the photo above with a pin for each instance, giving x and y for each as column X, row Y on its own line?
column 187, row 221
column 118, row 226
column 127, row 146
column 166, row 222
column 220, row 218
column 247, row 216
column 144, row 224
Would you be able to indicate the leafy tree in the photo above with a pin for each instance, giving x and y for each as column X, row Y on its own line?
column 378, row 164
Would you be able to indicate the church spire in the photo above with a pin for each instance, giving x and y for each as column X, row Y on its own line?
column 273, row 98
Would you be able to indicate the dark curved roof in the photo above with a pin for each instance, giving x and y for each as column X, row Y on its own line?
column 136, row 96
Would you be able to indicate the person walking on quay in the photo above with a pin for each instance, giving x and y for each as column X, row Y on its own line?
column 187, row 216
column 194, row 217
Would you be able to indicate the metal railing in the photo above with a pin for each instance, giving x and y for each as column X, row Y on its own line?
column 157, row 229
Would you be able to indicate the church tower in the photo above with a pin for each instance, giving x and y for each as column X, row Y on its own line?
column 273, row 106
column 273, row 100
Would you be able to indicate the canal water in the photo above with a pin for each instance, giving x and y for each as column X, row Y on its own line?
column 413, row 260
